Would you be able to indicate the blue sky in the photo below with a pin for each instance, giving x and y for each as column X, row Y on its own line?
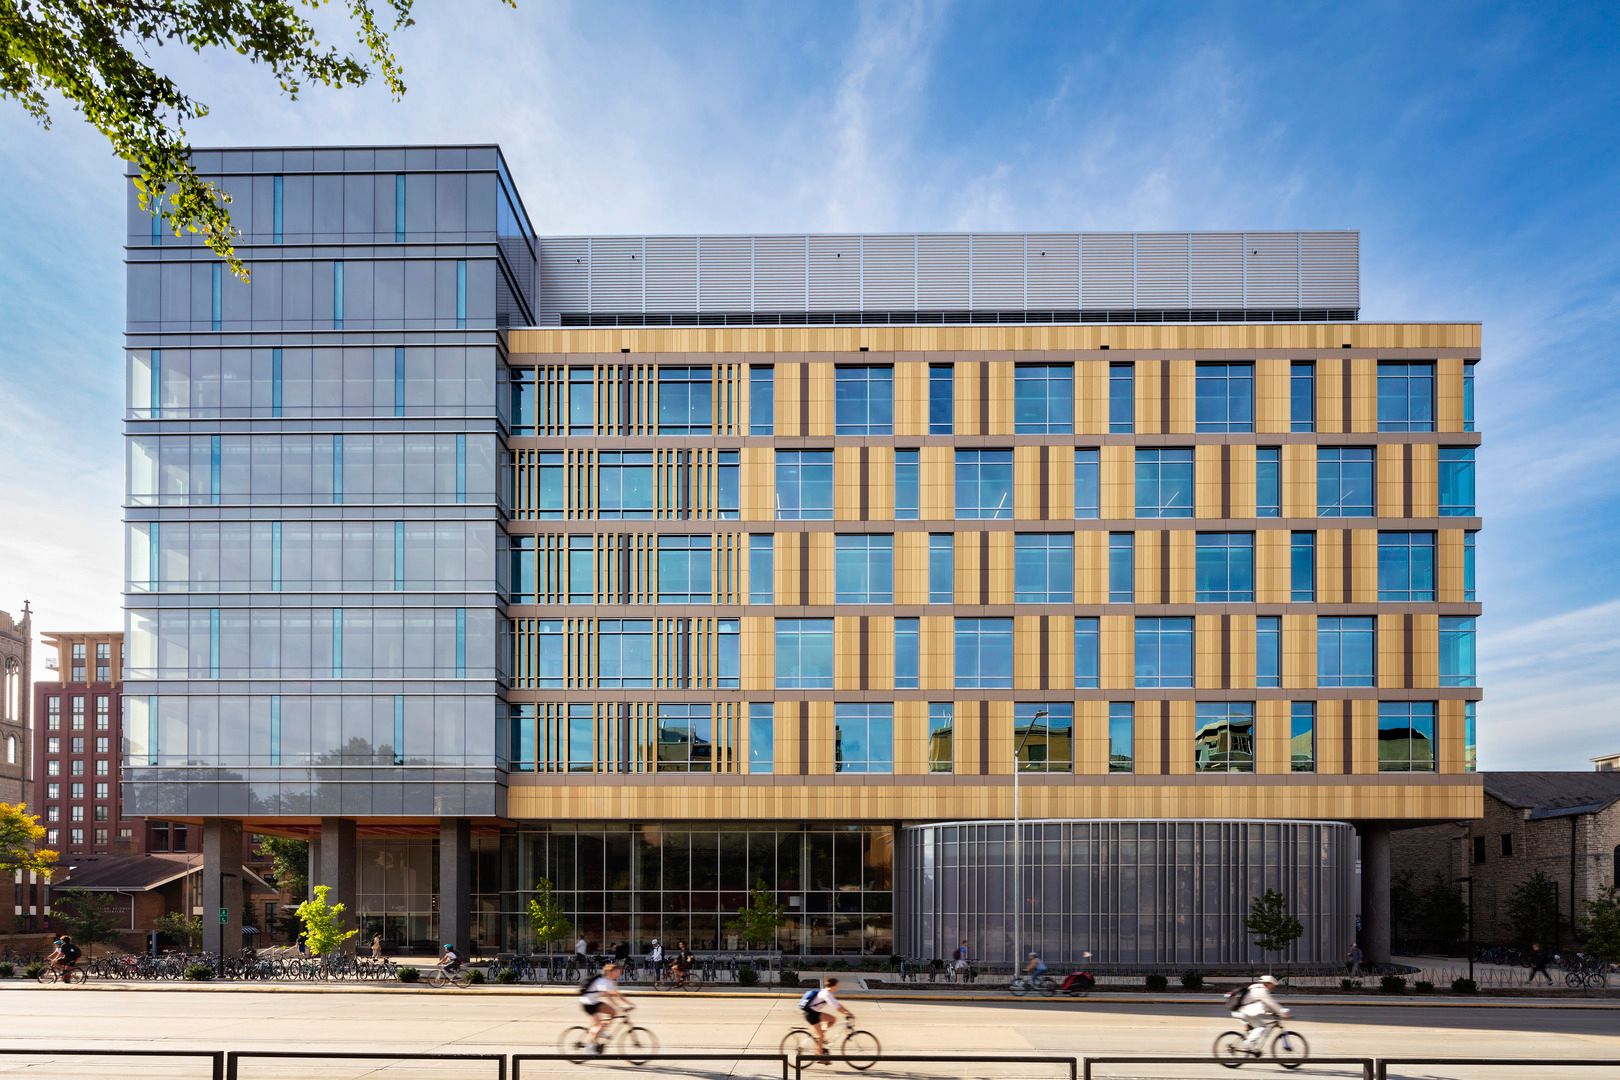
column 1474, row 146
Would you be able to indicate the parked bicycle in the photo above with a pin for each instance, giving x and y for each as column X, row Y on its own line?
column 621, row 1036
column 859, row 1048
column 1287, row 1047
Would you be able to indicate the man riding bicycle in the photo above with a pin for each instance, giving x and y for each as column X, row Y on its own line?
column 1256, row 1008
column 1035, row 968
column 603, row 1001
column 821, row 1012
column 65, row 955
column 680, row 965
column 451, row 960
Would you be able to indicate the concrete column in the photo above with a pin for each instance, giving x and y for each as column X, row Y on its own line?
column 312, row 870
column 338, row 856
column 1374, row 891
column 222, row 886
column 455, row 883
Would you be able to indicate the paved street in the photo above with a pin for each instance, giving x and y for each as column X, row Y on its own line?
column 470, row 1021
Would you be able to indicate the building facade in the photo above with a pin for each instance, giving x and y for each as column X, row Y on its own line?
column 657, row 567
column 15, row 664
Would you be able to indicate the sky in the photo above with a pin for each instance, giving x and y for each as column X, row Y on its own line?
column 1474, row 146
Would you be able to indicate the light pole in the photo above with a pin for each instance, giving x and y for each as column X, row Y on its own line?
column 1018, row 850
column 1469, row 881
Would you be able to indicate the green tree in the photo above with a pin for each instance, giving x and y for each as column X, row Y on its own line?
column 98, row 57
column 20, row 833
column 1602, row 927
column 759, row 920
column 289, row 862
column 1271, row 925
column 1532, row 910
column 1443, row 912
column 547, row 917
column 323, row 923
column 186, row 928
column 84, row 917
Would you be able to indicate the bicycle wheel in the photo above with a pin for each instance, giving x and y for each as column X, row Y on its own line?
column 575, row 1044
column 663, row 983
column 1046, row 986
column 437, row 979
column 861, row 1050
column 1290, row 1049
column 693, row 983
column 1573, row 979
column 1596, row 981
column 797, row 1043
column 1018, row 987
column 1229, row 1049
column 638, row 1044
column 46, row 977
column 74, row 975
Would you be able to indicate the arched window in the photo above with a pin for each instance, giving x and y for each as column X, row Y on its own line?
column 11, row 749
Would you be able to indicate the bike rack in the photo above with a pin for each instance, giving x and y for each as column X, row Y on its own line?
column 215, row 1057
column 1384, row 1064
column 519, row 1059
column 1071, row 1063
column 1366, row 1065
column 234, row 1058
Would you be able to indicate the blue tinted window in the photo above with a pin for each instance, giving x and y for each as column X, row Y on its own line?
column 399, row 208
column 625, row 653
column 1344, row 481
column 1470, row 550
column 1470, row 737
column 863, row 569
column 1302, row 737
column 215, row 284
column 1043, row 736
column 984, row 484
column 761, row 400
column 906, row 491
column 1121, row 737
column 1223, row 736
column 1406, row 566
column 761, row 568
column 1268, row 481
column 941, row 568
column 1267, row 651
column 1164, row 483
column 1468, row 395
column 1457, row 481
column 275, row 209
column 581, row 739
column 1164, row 653
column 1121, row 568
column 549, row 649
column 685, row 570
column 804, row 485
column 1225, row 397
column 461, row 294
column 1121, row 398
column 804, row 654
column 1405, row 396
column 1087, row 483
column 1302, row 567
column 984, row 652
column 1457, row 651
column 864, row 402
column 337, row 296
column 1302, row 397
column 581, row 569
column 581, row 401
column 863, row 737
column 1346, row 651
column 685, row 401
column 685, row 738
column 761, row 737
column 1087, row 653
column 1225, row 568
column 941, row 752
column 625, row 484
column 906, row 655
column 941, row 399
column 1043, row 568
column 1043, row 399
column 1406, row 736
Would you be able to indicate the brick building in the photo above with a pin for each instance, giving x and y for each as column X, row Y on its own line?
column 1564, row 824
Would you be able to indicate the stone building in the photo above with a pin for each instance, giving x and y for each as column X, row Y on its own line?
column 1564, row 824
column 15, row 635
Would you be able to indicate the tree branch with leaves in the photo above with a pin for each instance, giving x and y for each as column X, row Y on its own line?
column 1271, row 925
column 20, row 834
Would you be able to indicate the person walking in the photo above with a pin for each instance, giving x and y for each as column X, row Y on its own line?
column 580, row 949
column 959, row 962
column 1538, row 962
column 376, row 946
column 1352, row 960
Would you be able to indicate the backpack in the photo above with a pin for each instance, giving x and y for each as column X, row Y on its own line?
column 70, row 952
column 1236, row 999
column 585, row 987
column 808, row 997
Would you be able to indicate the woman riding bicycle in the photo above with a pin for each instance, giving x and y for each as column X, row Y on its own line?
column 602, row 1002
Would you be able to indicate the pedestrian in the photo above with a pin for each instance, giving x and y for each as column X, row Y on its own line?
column 580, row 948
column 655, row 957
column 1538, row 962
column 376, row 946
column 1352, row 960
column 960, row 959
column 302, row 945
column 621, row 955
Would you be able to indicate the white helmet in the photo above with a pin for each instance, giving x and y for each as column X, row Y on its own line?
column 1269, row 980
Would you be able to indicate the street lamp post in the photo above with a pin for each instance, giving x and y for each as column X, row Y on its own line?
column 1018, row 849
column 1469, row 881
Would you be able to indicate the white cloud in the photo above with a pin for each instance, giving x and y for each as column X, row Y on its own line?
column 1557, row 680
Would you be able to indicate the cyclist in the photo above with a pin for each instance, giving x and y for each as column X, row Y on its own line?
column 681, row 963
column 1035, row 968
column 451, row 960
column 820, row 1013
column 603, row 1001
column 1255, row 1008
column 66, row 954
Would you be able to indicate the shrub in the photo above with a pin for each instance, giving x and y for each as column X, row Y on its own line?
column 7, row 971
column 1464, row 985
column 1392, row 984
column 1192, row 980
column 838, row 965
column 505, row 975
column 789, row 978
column 199, row 972
column 1157, row 982
column 1424, row 986
column 33, row 970
column 476, row 977
column 747, row 976
column 408, row 975
column 1349, row 984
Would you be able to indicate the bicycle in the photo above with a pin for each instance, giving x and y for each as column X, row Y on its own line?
column 634, row 1042
column 668, row 980
column 860, row 1049
column 1043, row 985
column 69, row 975
column 1287, row 1047
column 460, row 978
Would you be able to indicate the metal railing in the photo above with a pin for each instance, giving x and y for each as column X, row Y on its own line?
column 638, row 1059
column 234, row 1058
column 1368, row 1066
column 1073, row 1064
column 215, row 1058
column 1385, row 1064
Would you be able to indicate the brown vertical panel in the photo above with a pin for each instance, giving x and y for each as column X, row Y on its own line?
column 1349, row 567
column 804, row 568
column 1164, row 738
column 866, row 652
column 1046, row 488
column 984, row 399
column 1164, row 397
column 803, row 708
column 1407, row 630
column 804, row 399
column 1345, row 419
column 1406, row 480
column 984, row 739
column 1046, row 652
column 1348, row 728
column 866, row 486
column 1164, row 566
column 1226, row 652
column 984, row 568
column 1226, row 480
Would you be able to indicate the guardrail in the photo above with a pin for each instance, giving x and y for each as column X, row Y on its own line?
column 519, row 1059
column 1385, row 1064
column 216, row 1058
column 1071, row 1063
column 234, row 1058
column 1368, row 1066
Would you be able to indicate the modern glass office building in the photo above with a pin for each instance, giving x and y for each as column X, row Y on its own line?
column 657, row 567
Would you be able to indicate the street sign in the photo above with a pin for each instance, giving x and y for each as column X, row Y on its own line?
column 224, row 916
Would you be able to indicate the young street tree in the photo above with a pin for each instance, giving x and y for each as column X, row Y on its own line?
column 547, row 917
column 323, row 923
column 758, row 922
column 1532, row 911
column 1271, row 926
column 20, row 832
column 178, row 925
column 289, row 862
column 1603, row 925
column 96, row 56
column 84, row 917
